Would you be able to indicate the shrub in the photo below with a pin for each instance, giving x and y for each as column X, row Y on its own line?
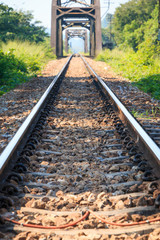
column 142, row 67
column 19, row 61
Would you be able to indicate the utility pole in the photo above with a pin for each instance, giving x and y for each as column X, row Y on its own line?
column 159, row 23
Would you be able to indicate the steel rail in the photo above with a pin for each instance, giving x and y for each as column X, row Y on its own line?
column 15, row 141
column 149, row 148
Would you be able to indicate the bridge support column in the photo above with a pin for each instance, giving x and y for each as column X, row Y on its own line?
column 86, row 42
column 92, row 38
column 54, row 27
column 59, row 39
column 98, row 34
column 66, row 41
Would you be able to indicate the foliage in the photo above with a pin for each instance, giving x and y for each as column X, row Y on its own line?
column 18, row 25
column 129, row 21
column 19, row 61
column 150, row 84
column 138, row 55
column 24, row 47
column 144, row 72
column 105, row 35
column 12, row 71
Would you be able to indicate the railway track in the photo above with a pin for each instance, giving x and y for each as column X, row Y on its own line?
column 153, row 129
column 80, row 167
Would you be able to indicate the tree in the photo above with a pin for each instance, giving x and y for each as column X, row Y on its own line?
column 17, row 25
column 129, row 17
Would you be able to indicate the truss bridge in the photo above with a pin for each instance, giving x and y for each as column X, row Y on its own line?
column 79, row 15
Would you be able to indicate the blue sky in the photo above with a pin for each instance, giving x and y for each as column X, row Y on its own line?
column 41, row 9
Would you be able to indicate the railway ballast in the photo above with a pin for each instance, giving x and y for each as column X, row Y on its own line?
column 81, row 170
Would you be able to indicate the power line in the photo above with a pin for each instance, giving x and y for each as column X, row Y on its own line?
column 109, row 3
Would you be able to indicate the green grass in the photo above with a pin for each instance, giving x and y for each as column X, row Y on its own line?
column 150, row 84
column 142, row 68
column 137, row 114
column 146, row 114
column 20, row 61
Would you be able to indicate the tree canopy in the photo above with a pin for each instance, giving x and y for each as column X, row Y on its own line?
column 131, row 21
column 19, row 25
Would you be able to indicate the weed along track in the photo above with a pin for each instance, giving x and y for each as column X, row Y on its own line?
column 79, row 171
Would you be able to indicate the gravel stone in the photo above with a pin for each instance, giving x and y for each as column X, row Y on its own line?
column 74, row 153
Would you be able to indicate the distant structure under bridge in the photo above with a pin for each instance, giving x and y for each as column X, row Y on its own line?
column 72, row 33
